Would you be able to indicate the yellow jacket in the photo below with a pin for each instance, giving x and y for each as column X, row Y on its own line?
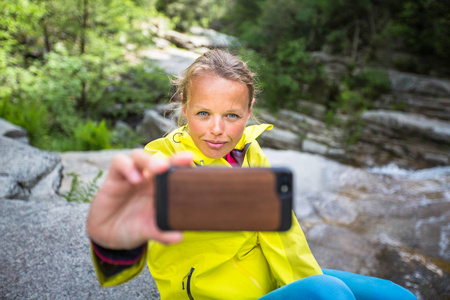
column 223, row 265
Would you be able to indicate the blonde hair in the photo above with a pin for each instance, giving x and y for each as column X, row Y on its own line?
column 215, row 62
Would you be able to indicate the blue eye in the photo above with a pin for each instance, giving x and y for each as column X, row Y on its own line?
column 233, row 116
column 202, row 114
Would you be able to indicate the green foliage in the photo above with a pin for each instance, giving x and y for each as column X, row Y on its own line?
column 371, row 82
column 126, row 137
column 187, row 13
column 80, row 192
column 63, row 69
column 135, row 89
column 84, row 137
column 59, row 75
column 344, row 27
column 28, row 114
column 92, row 136
column 351, row 102
column 346, row 112
column 290, row 75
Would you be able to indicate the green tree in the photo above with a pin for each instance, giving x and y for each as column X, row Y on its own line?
column 60, row 61
column 187, row 13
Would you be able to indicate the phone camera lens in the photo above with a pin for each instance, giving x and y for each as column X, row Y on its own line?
column 284, row 188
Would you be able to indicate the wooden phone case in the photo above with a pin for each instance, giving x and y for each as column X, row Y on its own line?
column 224, row 199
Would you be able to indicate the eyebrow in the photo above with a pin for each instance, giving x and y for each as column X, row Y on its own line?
column 198, row 107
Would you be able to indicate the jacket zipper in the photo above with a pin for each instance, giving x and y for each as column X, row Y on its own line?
column 188, row 283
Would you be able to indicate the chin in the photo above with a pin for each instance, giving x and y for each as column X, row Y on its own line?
column 215, row 155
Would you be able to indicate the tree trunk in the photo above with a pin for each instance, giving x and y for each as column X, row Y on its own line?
column 83, row 101
column 373, row 28
column 355, row 41
column 48, row 46
column 84, row 26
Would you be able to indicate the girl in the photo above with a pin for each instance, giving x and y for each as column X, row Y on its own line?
column 217, row 97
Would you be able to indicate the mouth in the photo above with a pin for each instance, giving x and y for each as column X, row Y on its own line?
column 215, row 144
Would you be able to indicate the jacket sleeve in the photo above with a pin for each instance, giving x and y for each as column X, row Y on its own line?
column 114, row 267
column 288, row 254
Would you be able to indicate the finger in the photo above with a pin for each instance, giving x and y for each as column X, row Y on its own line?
column 148, row 164
column 123, row 166
column 169, row 237
column 182, row 159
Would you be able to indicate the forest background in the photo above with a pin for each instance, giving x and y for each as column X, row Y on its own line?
column 64, row 76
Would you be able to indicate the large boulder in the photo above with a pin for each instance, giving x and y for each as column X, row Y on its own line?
column 12, row 131
column 410, row 140
column 429, row 106
column 28, row 173
column 172, row 60
column 419, row 84
column 200, row 38
column 86, row 165
column 215, row 39
column 154, row 125
column 45, row 255
column 408, row 123
column 384, row 222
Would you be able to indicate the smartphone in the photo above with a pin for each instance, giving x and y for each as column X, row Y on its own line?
column 224, row 199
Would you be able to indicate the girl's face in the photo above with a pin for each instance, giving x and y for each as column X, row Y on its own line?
column 216, row 113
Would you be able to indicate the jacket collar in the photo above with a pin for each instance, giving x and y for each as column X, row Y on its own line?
column 183, row 142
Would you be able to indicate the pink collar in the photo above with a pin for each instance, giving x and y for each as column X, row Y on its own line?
column 230, row 159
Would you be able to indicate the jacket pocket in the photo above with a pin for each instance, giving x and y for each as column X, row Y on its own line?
column 186, row 283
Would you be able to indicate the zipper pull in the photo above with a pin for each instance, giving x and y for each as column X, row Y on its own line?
column 182, row 282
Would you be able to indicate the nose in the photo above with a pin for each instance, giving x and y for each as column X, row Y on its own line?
column 217, row 126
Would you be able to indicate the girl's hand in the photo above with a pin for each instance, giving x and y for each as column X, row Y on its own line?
column 122, row 214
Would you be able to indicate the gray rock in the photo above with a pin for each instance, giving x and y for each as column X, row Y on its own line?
column 296, row 118
column 438, row 130
column 315, row 110
column 215, row 38
column 280, row 139
column 48, row 186
column 87, row 165
column 187, row 41
column 357, row 220
column 200, row 39
column 161, row 43
column 336, row 209
column 422, row 85
column 10, row 188
column 314, row 147
column 335, row 66
column 429, row 106
column 343, row 249
column 172, row 60
column 337, row 153
column 13, row 131
column 28, row 170
column 438, row 159
column 154, row 125
column 45, row 255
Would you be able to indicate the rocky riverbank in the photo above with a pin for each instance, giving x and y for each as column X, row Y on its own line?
column 386, row 222
column 409, row 125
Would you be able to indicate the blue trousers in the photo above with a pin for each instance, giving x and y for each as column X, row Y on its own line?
column 340, row 285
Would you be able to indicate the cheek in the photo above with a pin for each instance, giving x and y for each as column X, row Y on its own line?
column 195, row 127
column 235, row 130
